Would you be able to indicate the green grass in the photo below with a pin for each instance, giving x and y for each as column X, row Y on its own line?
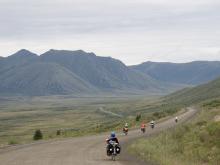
column 12, row 142
column 195, row 143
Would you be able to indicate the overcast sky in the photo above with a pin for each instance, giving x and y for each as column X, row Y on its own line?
column 133, row 31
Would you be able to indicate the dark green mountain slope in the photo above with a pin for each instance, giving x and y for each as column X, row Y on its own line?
column 197, row 94
column 193, row 73
column 42, row 79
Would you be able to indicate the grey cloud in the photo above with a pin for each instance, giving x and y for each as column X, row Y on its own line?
column 152, row 22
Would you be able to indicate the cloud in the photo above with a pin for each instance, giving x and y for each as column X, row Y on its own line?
column 133, row 31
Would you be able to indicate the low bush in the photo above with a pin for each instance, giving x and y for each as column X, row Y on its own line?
column 138, row 117
column 38, row 135
column 58, row 132
column 12, row 142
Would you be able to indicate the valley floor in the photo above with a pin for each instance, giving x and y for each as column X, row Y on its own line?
column 73, row 116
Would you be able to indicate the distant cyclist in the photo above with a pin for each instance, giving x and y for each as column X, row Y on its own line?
column 152, row 124
column 176, row 119
column 125, row 129
column 143, row 127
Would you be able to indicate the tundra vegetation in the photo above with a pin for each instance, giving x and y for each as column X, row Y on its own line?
column 196, row 142
column 66, row 116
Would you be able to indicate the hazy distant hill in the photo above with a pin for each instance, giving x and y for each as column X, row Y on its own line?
column 71, row 72
column 193, row 73
column 197, row 94
column 1, row 59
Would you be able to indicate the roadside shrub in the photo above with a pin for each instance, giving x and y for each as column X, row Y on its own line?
column 159, row 115
column 178, row 133
column 58, row 132
column 12, row 142
column 38, row 135
column 204, row 136
column 187, row 127
column 201, row 123
column 138, row 117
column 212, row 104
column 214, row 129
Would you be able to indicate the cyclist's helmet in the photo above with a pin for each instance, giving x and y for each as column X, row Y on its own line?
column 112, row 134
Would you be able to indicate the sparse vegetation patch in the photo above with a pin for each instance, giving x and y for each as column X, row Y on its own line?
column 197, row 142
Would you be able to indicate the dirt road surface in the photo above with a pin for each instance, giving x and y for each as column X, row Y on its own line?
column 81, row 150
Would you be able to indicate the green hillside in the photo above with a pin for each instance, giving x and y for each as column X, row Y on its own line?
column 197, row 94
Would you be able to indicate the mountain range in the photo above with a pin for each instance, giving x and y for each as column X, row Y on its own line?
column 193, row 73
column 61, row 72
